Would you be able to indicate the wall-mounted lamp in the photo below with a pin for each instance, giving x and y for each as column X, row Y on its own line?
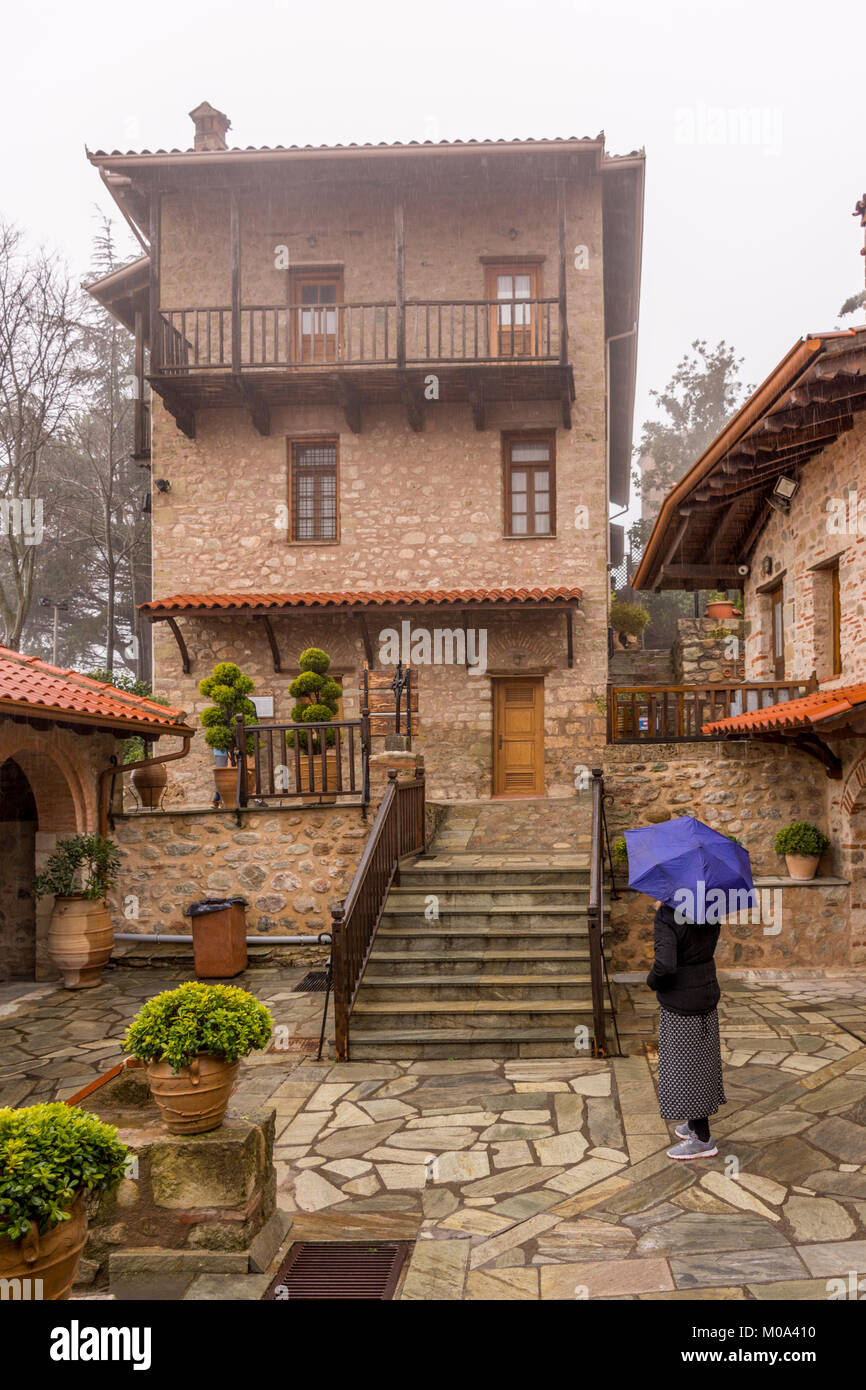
column 780, row 498
column 767, row 565
column 163, row 485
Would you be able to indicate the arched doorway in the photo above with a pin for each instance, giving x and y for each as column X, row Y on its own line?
column 18, row 827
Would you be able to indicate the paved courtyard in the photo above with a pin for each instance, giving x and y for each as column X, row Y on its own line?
column 538, row 1179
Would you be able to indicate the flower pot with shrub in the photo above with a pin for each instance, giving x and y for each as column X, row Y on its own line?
column 51, row 1158
column 80, row 937
column 317, row 699
column 720, row 606
column 802, row 844
column 190, row 1039
column 628, row 619
column 229, row 689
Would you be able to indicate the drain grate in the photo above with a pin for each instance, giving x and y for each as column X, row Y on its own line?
column 329, row 1270
column 316, row 982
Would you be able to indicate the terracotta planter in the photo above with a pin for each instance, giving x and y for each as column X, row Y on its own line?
column 722, row 609
column 150, row 783
column 226, row 780
column 52, row 1258
column 802, row 866
column 80, row 940
column 194, row 1099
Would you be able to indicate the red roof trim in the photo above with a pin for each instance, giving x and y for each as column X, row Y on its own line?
column 27, row 681
column 408, row 598
column 793, row 714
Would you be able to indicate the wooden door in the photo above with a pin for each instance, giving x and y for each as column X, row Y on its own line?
column 518, row 736
column 315, row 315
column 778, row 612
column 514, row 315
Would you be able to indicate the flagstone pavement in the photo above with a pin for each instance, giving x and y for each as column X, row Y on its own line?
column 541, row 1179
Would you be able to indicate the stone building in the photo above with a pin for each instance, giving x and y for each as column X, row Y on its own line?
column 774, row 506
column 392, row 394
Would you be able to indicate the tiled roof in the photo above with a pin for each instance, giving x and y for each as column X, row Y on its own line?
column 354, row 145
column 27, row 681
column 390, row 598
column 793, row 714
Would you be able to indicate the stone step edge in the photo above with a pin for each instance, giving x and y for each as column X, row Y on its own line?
column 456, row 1006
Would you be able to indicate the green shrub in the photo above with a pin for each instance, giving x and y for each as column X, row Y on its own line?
column 314, row 659
column 630, row 618
column 175, row 1026
column 317, row 700
column 620, row 851
column 229, row 688
column 306, row 683
column 84, row 866
column 48, row 1154
column 801, row 837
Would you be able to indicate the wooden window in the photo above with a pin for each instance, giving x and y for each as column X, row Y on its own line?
column 777, row 599
column 530, row 484
column 315, row 315
column 514, row 316
column 835, row 620
column 313, row 490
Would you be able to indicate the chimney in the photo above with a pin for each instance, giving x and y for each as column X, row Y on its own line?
column 210, row 127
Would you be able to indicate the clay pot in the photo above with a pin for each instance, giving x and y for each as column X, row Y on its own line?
column 802, row 866
column 226, row 780
column 150, row 783
column 80, row 940
column 194, row 1099
column 52, row 1258
column 722, row 609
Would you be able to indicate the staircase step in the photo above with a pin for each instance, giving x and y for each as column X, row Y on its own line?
column 450, row 941
column 463, row 964
column 387, row 1044
column 470, row 897
column 417, row 875
column 397, row 989
column 517, row 1014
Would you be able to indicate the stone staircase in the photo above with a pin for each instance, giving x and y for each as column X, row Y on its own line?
column 501, row 971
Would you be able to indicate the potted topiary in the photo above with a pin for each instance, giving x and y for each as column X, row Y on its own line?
column 720, row 606
column 317, row 698
column 229, row 689
column 51, row 1157
column 190, row 1039
column 802, row 845
column 80, row 937
column 628, row 619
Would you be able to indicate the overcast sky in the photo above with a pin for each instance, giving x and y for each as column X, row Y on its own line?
column 752, row 115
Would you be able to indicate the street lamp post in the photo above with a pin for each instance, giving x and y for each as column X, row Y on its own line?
column 58, row 607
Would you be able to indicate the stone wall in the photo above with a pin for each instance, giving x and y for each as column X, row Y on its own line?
column 708, row 651
column 641, row 666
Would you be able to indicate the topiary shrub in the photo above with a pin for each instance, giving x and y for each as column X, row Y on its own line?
column 48, row 1155
column 317, row 699
column 628, row 618
column 801, row 838
column 229, row 689
column 175, row 1026
column 84, row 866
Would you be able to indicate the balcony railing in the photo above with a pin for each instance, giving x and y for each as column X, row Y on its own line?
column 421, row 332
column 677, row 713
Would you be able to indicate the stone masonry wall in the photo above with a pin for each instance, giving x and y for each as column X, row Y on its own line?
column 705, row 654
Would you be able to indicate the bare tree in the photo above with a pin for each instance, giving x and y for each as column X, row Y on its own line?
column 40, row 372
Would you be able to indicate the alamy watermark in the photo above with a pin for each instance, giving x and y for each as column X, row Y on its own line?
column 441, row 646
column 761, row 907
column 22, row 516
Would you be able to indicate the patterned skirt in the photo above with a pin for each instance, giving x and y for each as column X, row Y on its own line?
column 690, row 1065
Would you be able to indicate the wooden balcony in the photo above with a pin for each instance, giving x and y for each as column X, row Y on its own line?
column 354, row 354
column 677, row 713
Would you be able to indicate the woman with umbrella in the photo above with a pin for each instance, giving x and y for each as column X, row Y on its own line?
column 690, row 869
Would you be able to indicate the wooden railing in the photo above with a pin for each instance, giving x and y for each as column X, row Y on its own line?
column 382, row 333
column 398, row 830
column 677, row 713
column 595, row 913
column 297, row 760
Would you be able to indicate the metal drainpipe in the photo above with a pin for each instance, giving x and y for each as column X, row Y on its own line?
column 120, row 770
column 323, row 938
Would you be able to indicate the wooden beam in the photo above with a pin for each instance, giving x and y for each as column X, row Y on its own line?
column 272, row 641
column 361, row 620
column 563, row 301
column 182, row 414
column 260, row 413
column 565, row 396
column 235, row 215
column 399, row 253
column 569, row 637
column 479, row 411
column 178, row 637
column 413, row 403
column 350, row 402
column 723, row 574
column 156, row 338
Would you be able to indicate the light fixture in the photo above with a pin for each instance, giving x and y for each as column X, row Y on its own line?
column 163, row 485
column 782, row 493
column 767, row 565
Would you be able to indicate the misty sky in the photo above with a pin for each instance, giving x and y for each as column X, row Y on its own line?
column 752, row 116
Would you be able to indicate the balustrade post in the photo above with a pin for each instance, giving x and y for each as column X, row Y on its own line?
column 341, row 988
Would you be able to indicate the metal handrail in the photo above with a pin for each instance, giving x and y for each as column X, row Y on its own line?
column 595, row 913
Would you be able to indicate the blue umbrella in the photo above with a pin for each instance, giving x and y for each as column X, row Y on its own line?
column 687, row 865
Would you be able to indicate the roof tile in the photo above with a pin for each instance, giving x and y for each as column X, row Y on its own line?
column 29, row 681
column 213, row 603
column 793, row 714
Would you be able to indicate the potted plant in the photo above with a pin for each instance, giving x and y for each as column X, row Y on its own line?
column 190, row 1039
column 802, row 845
column 720, row 606
column 51, row 1157
column 80, row 936
column 318, row 698
column 229, row 689
column 628, row 619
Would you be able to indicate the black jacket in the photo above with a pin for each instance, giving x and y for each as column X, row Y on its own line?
column 683, row 973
